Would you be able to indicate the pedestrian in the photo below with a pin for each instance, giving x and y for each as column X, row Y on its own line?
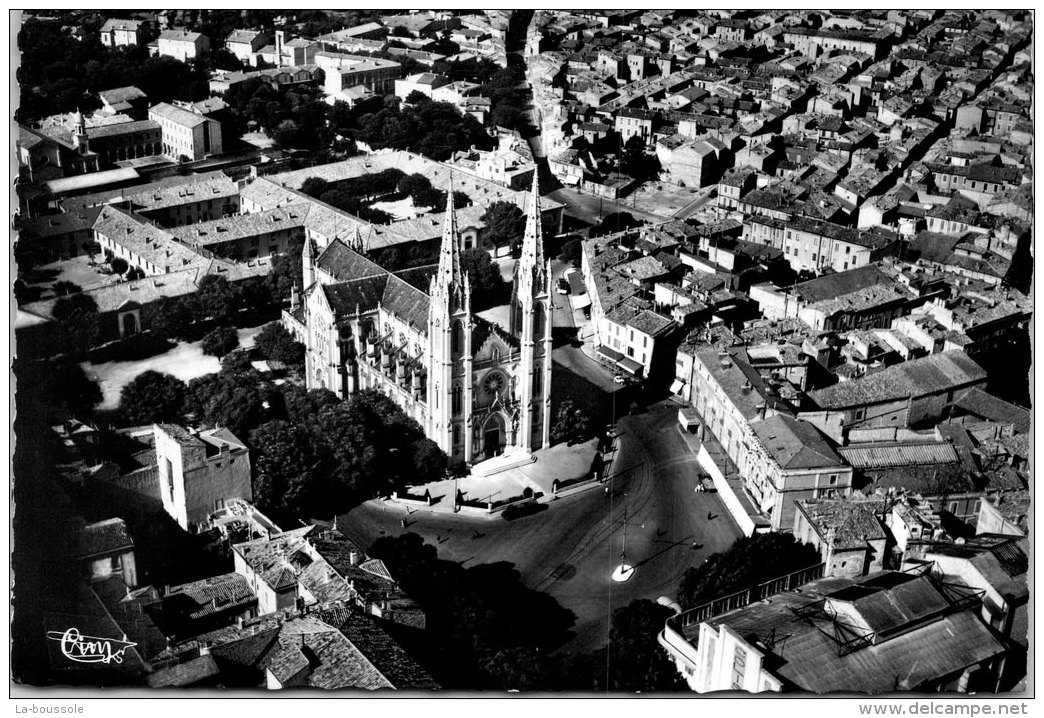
column 404, row 523
column 710, row 515
column 438, row 538
column 606, row 490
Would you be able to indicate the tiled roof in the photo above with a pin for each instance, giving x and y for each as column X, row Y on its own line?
column 851, row 523
column 978, row 403
column 176, row 114
column 345, row 264
column 185, row 674
column 210, row 595
column 912, row 379
column 357, row 295
column 831, row 286
column 876, row 455
column 103, row 538
column 795, row 444
column 385, row 653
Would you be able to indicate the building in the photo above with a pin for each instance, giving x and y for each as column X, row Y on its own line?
column 182, row 44
column 479, row 390
column 344, row 72
column 200, row 473
column 630, row 122
column 328, row 649
column 905, row 395
column 246, row 44
column 847, row 533
column 423, row 82
column 185, row 133
column 129, row 100
column 289, row 53
column 106, row 549
column 997, row 566
column 888, row 631
column 121, row 33
column 190, row 609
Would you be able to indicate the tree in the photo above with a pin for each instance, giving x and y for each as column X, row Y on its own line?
column 219, row 342
column 78, row 321
column 572, row 423
column 314, row 186
column 237, row 362
column 285, row 460
column 55, row 388
column 152, row 397
column 416, row 97
column 234, row 398
column 119, row 265
column 277, row 344
column 571, row 251
column 91, row 248
column 636, row 661
column 414, row 184
column 484, row 276
column 62, row 288
column 748, row 562
column 174, row 316
column 217, row 298
column 505, row 223
column 287, row 134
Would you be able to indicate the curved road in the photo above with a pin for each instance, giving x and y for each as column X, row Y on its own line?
column 570, row 550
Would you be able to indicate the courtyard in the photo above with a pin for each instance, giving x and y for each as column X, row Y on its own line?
column 186, row 361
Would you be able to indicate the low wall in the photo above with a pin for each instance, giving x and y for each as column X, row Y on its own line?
column 726, row 493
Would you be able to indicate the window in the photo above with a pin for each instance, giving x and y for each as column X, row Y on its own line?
column 456, row 435
column 115, row 563
column 833, row 479
column 645, row 342
column 630, row 351
column 848, row 249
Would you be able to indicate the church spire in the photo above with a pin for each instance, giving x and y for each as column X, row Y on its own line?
column 533, row 240
column 449, row 273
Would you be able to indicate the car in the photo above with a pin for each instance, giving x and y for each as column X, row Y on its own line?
column 563, row 286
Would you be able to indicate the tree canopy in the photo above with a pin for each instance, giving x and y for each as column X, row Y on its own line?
column 152, row 397
column 572, row 422
column 484, row 275
column 505, row 223
column 220, row 341
column 277, row 344
column 748, row 562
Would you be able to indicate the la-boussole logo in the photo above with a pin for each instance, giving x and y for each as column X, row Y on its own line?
column 90, row 649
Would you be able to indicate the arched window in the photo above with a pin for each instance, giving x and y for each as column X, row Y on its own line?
column 456, row 435
column 538, row 379
column 458, row 393
column 495, row 352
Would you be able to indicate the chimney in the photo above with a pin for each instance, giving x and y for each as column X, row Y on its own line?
column 353, row 558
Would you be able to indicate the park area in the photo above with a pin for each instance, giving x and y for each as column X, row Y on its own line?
column 186, row 361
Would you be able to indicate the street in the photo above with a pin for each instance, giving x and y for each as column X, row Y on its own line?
column 570, row 550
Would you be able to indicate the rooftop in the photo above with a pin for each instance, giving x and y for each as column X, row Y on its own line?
column 847, row 522
column 912, row 379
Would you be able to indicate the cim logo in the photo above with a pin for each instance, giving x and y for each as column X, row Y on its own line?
column 90, row 649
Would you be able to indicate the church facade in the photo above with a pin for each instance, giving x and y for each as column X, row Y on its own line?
column 479, row 390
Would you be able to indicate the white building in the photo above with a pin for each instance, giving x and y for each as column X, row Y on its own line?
column 182, row 44
column 186, row 134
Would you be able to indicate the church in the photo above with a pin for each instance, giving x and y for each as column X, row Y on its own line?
column 478, row 389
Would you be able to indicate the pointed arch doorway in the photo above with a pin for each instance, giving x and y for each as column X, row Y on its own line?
column 493, row 436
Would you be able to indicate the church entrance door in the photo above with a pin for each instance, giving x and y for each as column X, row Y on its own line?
column 493, row 437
